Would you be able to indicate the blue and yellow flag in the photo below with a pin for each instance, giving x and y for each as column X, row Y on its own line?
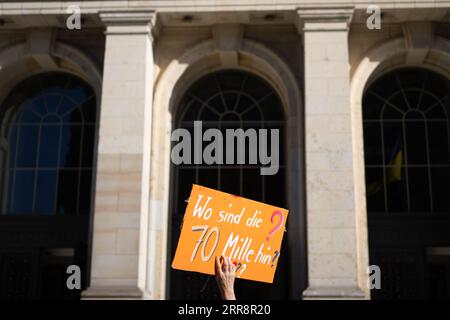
column 393, row 170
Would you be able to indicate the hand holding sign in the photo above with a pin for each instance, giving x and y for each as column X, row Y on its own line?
column 245, row 231
column 225, row 273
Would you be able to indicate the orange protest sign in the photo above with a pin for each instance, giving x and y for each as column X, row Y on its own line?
column 218, row 223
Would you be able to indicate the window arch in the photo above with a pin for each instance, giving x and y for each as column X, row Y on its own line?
column 228, row 99
column 407, row 142
column 48, row 133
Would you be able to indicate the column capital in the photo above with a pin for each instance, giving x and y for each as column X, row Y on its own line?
column 324, row 19
column 129, row 22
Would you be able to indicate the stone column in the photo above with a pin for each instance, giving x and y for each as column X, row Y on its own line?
column 337, row 250
column 123, row 166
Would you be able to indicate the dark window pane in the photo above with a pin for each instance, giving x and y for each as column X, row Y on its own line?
column 373, row 151
column 438, row 138
column 253, row 112
column 22, row 202
column 230, row 180
column 437, row 112
column 85, row 196
column 415, row 143
column 49, row 146
column 27, row 146
column 375, row 190
column 184, row 181
column 76, row 92
column 441, row 187
column 276, row 189
column 53, row 102
column 67, row 192
column 391, row 112
column 49, row 149
column 245, row 102
column 372, row 107
column 73, row 116
column 208, row 177
column 426, row 102
column 396, row 190
column 66, row 108
column 190, row 110
column 271, row 108
column 38, row 105
column 88, row 145
column 393, row 141
column 252, row 184
column 70, row 146
column 89, row 110
column 45, row 192
column 12, row 145
column 30, row 116
column 419, row 189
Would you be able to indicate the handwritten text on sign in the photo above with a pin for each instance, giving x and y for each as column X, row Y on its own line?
column 217, row 223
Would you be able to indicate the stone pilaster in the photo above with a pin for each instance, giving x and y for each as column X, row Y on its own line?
column 336, row 261
column 123, row 166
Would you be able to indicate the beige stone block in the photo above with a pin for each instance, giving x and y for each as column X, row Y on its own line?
column 319, row 240
column 120, row 107
column 328, row 142
column 343, row 200
column 316, row 86
column 104, row 242
column 133, row 126
column 329, row 123
column 118, row 220
column 127, row 241
column 106, row 201
column 114, row 266
column 330, row 181
column 343, row 240
column 331, row 219
column 318, row 200
column 332, row 265
column 340, row 160
column 116, row 182
column 108, row 182
column 129, row 201
column 131, row 163
column 120, row 144
column 107, row 162
column 332, row 282
column 110, row 127
column 317, row 161
column 338, row 87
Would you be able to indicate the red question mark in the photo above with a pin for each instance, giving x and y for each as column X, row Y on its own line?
column 278, row 226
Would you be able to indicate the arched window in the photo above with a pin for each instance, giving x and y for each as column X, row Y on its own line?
column 407, row 143
column 228, row 100
column 47, row 145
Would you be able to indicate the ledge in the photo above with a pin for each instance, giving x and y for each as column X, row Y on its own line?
column 351, row 293
column 112, row 293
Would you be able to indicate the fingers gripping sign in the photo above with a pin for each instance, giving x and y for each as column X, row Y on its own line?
column 225, row 276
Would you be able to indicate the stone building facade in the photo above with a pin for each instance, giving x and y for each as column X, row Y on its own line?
column 141, row 57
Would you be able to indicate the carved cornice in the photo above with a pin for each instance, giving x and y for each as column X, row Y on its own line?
column 130, row 22
column 320, row 19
